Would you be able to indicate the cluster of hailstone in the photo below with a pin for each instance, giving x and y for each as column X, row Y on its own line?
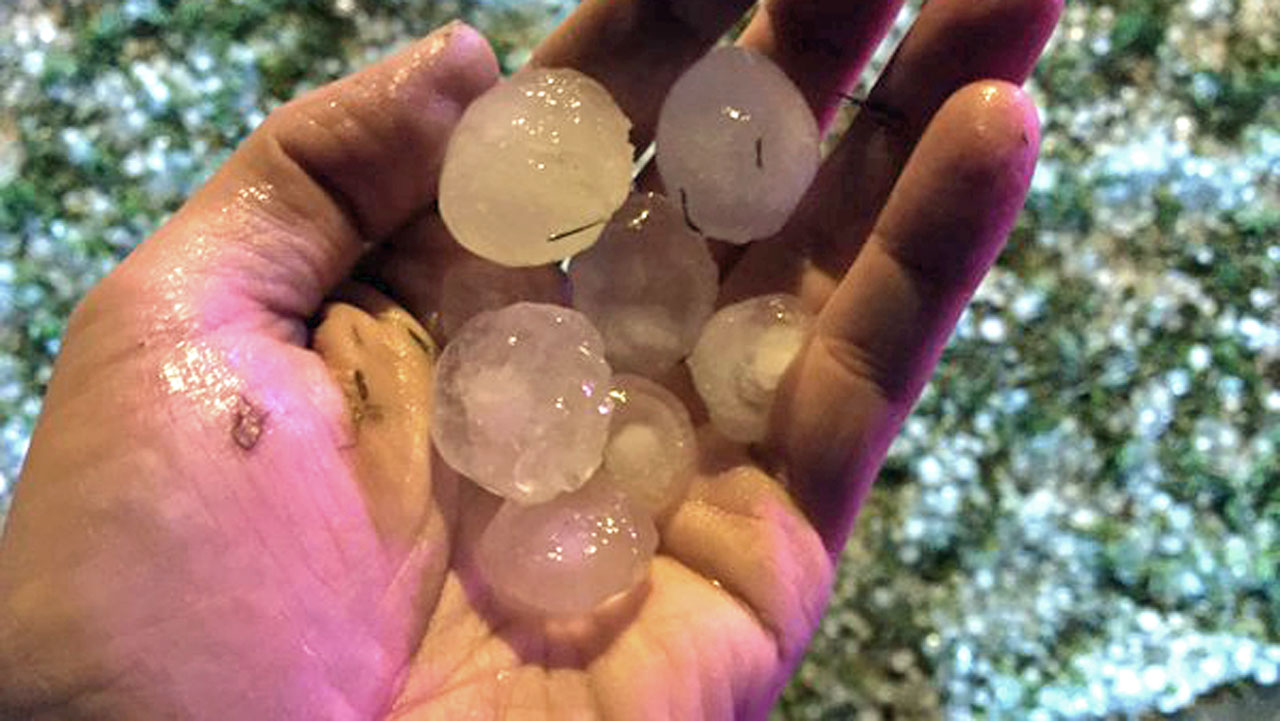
column 554, row 408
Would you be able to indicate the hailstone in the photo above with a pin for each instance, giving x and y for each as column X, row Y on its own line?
column 737, row 145
column 744, row 350
column 651, row 450
column 569, row 555
column 472, row 285
column 535, row 167
column 648, row 285
column 522, row 401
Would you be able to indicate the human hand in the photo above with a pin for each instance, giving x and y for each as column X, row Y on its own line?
column 227, row 514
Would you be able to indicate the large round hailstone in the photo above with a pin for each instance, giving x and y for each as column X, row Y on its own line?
column 568, row 555
column 740, row 358
column 737, row 145
column 649, row 284
column 522, row 401
column 535, row 167
column 651, row 450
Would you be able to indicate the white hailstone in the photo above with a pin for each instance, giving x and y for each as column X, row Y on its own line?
column 568, row 555
column 651, row 450
column 522, row 401
column 740, row 358
column 649, row 285
column 535, row 167
column 737, row 145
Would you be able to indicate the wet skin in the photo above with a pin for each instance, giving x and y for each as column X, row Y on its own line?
column 230, row 508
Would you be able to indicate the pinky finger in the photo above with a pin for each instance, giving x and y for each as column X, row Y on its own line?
column 880, row 335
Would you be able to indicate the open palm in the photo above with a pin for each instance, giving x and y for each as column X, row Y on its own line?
column 231, row 508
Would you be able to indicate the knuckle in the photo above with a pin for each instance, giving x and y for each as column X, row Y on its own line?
column 892, row 384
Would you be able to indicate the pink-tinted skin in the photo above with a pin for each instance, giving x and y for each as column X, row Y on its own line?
column 223, row 515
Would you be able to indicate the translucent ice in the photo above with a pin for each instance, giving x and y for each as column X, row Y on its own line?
column 651, row 449
column 535, row 167
column 568, row 555
column 521, row 401
column 737, row 145
column 473, row 285
column 648, row 284
column 740, row 358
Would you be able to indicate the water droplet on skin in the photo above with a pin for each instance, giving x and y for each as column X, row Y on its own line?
column 637, row 222
column 199, row 372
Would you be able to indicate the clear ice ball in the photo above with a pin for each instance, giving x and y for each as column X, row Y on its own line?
column 535, row 167
column 522, row 401
column 568, row 555
column 648, row 285
column 651, row 451
column 744, row 350
column 737, row 145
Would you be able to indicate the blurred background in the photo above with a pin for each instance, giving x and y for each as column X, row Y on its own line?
column 1080, row 520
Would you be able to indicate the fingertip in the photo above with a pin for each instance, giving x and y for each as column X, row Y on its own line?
column 435, row 77
column 993, row 126
column 1010, row 114
column 453, row 63
column 965, row 182
column 463, row 57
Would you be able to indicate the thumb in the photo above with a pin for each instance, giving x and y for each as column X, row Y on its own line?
column 284, row 220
